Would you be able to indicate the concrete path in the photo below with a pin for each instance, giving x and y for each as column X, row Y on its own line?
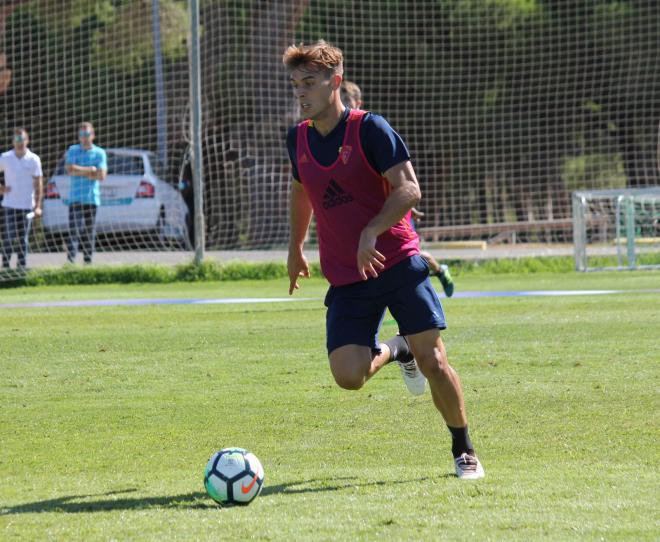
column 36, row 260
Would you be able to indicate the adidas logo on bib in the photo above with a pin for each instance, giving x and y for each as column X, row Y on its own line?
column 335, row 195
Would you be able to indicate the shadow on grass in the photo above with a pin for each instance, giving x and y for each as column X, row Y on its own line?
column 113, row 500
column 116, row 500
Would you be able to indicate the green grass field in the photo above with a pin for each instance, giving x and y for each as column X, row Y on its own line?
column 109, row 414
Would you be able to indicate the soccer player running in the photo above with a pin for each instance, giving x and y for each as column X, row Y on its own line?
column 351, row 95
column 353, row 172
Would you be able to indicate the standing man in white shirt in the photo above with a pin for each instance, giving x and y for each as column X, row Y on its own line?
column 23, row 194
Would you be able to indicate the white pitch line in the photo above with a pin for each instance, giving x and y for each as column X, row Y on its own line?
column 151, row 301
column 245, row 300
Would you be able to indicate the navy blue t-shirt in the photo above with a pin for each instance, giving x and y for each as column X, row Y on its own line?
column 382, row 146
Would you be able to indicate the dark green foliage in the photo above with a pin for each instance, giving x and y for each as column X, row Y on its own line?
column 506, row 105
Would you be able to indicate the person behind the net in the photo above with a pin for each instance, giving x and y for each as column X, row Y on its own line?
column 351, row 95
column 87, row 165
column 23, row 195
column 353, row 172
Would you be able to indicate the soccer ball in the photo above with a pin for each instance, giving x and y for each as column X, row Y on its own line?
column 233, row 476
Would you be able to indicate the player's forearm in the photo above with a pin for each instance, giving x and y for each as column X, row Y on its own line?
column 73, row 169
column 91, row 172
column 300, row 216
column 404, row 196
column 38, row 192
column 396, row 206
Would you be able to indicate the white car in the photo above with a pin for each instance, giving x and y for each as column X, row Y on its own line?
column 133, row 200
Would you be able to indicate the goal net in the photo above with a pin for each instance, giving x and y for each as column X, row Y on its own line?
column 117, row 66
column 507, row 107
column 616, row 229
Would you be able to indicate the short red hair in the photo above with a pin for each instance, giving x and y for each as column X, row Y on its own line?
column 319, row 56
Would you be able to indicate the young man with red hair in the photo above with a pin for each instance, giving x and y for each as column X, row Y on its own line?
column 353, row 172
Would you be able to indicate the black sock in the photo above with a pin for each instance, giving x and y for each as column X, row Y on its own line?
column 400, row 351
column 461, row 443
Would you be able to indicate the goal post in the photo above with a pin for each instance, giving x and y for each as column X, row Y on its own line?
column 616, row 229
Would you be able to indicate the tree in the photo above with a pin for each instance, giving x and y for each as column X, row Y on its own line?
column 132, row 46
column 627, row 35
column 7, row 7
column 71, row 57
column 247, row 181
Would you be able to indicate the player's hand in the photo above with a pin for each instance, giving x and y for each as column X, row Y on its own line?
column 5, row 189
column 297, row 267
column 37, row 211
column 369, row 260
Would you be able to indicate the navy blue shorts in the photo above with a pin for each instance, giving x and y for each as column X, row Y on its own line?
column 355, row 311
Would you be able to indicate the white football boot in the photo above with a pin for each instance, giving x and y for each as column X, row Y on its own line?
column 412, row 376
column 468, row 467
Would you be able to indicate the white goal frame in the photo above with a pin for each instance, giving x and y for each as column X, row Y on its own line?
column 607, row 222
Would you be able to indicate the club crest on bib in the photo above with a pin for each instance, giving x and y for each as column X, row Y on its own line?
column 345, row 153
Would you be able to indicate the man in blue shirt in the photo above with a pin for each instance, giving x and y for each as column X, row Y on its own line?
column 87, row 164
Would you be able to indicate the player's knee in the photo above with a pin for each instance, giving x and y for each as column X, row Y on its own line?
column 349, row 381
column 347, row 377
column 433, row 365
column 349, row 367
